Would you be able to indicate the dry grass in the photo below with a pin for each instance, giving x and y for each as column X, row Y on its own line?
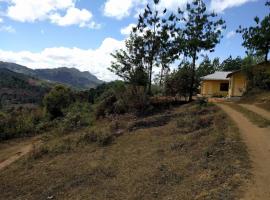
column 252, row 116
column 196, row 154
column 259, row 98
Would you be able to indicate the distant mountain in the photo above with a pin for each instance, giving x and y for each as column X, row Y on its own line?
column 17, row 88
column 70, row 76
column 17, row 68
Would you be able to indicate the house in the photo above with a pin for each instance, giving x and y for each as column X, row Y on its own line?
column 237, row 83
column 230, row 84
column 215, row 85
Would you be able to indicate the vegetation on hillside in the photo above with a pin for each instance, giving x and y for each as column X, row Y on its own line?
column 19, row 89
column 190, row 152
column 161, row 39
column 62, row 75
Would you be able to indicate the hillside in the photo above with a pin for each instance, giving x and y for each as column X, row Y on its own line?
column 190, row 152
column 18, row 88
column 69, row 76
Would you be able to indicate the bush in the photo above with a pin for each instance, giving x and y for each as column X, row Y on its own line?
column 58, row 99
column 21, row 122
column 105, row 138
column 77, row 115
column 102, row 137
column 202, row 101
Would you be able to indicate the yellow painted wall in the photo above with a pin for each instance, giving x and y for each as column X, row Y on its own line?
column 212, row 88
column 238, row 84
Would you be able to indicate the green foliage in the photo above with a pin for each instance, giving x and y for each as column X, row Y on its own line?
column 161, row 38
column 201, row 32
column 231, row 64
column 19, row 122
column 207, row 67
column 119, row 100
column 257, row 74
column 179, row 81
column 58, row 99
column 261, row 80
column 150, row 44
column 77, row 115
column 20, row 89
column 257, row 38
column 128, row 63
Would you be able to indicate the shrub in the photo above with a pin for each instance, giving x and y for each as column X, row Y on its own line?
column 105, row 138
column 58, row 99
column 90, row 137
column 122, row 100
column 202, row 101
column 77, row 115
column 21, row 122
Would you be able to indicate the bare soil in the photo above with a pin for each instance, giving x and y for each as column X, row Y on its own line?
column 12, row 151
column 258, row 143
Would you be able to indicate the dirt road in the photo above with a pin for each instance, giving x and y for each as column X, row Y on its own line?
column 12, row 151
column 258, row 110
column 258, row 143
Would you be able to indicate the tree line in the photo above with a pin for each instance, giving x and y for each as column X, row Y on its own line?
column 162, row 39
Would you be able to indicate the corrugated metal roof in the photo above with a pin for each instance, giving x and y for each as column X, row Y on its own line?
column 217, row 76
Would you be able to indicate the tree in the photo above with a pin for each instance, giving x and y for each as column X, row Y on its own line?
column 231, row 64
column 206, row 67
column 58, row 99
column 179, row 81
column 150, row 44
column 129, row 64
column 201, row 31
column 149, row 26
column 257, row 38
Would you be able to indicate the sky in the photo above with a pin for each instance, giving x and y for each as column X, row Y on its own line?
column 83, row 33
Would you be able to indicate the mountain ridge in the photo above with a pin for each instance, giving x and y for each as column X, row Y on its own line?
column 69, row 76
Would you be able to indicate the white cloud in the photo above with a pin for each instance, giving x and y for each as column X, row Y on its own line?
column 60, row 12
column 95, row 61
column 127, row 30
column 173, row 4
column 230, row 34
column 33, row 10
column 221, row 5
column 113, row 8
column 117, row 9
column 1, row 20
column 8, row 29
column 72, row 17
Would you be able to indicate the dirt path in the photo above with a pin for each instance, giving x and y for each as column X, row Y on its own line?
column 12, row 151
column 258, row 143
column 260, row 111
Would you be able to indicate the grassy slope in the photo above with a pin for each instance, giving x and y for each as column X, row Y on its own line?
column 259, row 98
column 196, row 154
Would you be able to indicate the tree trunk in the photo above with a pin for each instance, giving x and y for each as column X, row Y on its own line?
column 266, row 56
column 150, row 79
column 192, row 77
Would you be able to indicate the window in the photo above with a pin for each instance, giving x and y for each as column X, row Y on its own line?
column 224, row 87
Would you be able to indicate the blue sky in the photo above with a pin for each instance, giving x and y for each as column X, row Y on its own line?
column 83, row 33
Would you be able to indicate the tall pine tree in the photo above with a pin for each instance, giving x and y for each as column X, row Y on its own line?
column 201, row 32
column 257, row 38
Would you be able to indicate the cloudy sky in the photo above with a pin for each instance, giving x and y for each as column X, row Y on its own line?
column 83, row 33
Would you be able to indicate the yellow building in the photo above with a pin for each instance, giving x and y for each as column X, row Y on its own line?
column 215, row 85
column 237, row 83
column 230, row 84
